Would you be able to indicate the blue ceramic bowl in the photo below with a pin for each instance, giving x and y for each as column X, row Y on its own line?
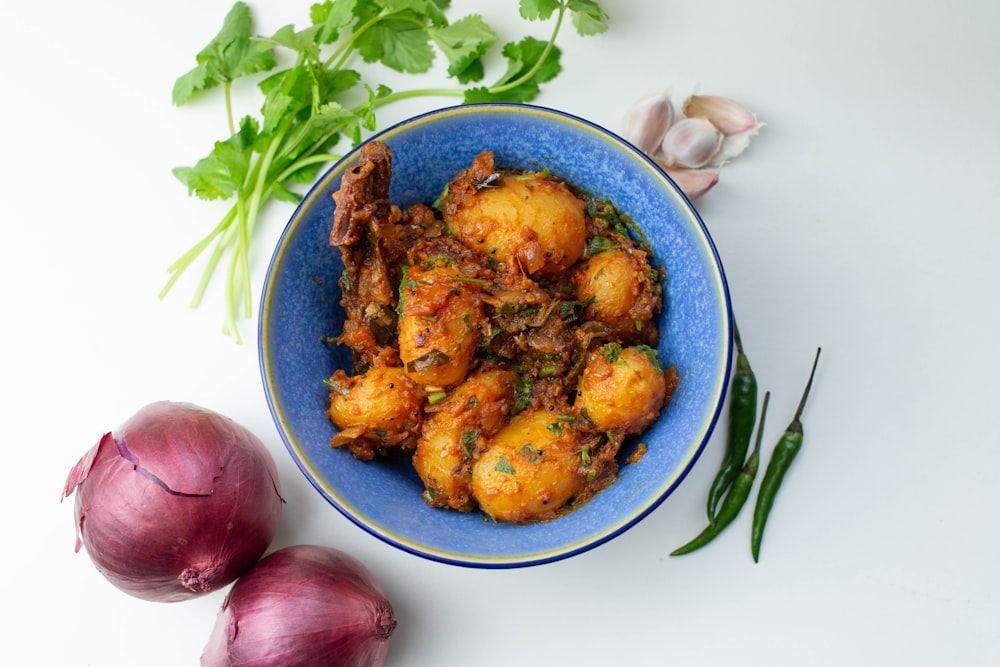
column 300, row 305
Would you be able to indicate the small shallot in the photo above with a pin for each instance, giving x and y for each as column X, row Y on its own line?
column 176, row 502
column 300, row 606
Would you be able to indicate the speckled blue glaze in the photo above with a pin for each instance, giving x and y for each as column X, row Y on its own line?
column 300, row 304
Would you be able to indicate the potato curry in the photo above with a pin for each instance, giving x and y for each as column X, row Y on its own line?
column 503, row 337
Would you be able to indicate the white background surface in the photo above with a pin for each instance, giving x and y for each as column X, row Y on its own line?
column 864, row 219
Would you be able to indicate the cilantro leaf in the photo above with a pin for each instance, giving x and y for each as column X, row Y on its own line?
column 534, row 10
column 432, row 10
column 399, row 42
column 329, row 17
column 231, row 54
column 281, row 193
column 190, row 83
column 220, row 174
column 330, row 119
column 464, row 43
column 366, row 112
column 304, row 41
column 588, row 17
column 519, row 84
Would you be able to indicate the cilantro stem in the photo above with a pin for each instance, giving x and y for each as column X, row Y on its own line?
column 230, row 327
column 213, row 261
column 417, row 92
column 250, row 222
column 541, row 60
column 228, row 88
column 343, row 52
column 305, row 162
column 240, row 265
column 178, row 267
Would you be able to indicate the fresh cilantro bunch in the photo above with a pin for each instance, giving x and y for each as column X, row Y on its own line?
column 318, row 103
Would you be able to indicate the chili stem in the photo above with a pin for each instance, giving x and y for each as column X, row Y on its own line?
column 805, row 394
column 784, row 454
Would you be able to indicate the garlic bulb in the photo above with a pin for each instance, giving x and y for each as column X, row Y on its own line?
column 690, row 143
column 647, row 121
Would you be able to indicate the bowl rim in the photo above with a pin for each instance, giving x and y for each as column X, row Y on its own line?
column 571, row 548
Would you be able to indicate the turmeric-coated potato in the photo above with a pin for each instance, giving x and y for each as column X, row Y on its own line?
column 619, row 291
column 622, row 389
column 531, row 469
column 383, row 403
column 439, row 329
column 526, row 218
column 473, row 412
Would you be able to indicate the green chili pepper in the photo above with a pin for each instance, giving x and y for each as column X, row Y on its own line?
column 742, row 414
column 739, row 491
column 781, row 459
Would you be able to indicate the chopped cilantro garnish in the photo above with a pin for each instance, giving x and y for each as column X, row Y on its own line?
column 599, row 244
column 533, row 455
column 522, row 396
column 503, row 465
column 336, row 386
column 612, row 352
column 650, row 354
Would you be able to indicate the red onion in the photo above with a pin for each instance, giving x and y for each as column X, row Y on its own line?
column 179, row 501
column 299, row 606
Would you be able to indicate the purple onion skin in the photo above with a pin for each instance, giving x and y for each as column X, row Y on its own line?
column 178, row 502
column 303, row 606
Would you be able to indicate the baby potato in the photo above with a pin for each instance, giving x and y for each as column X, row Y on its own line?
column 474, row 411
column 439, row 327
column 527, row 218
column 622, row 389
column 530, row 470
column 619, row 288
column 383, row 403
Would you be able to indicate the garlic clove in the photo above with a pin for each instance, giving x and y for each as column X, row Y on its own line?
column 692, row 182
column 647, row 120
column 733, row 145
column 727, row 115
column 690, row 143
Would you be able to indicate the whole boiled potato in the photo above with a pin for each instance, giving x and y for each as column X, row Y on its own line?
column 525, row 218
column 619, row 291
column 622, row 389
column 439, row 327
column 383, row 402
column 531, row 469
